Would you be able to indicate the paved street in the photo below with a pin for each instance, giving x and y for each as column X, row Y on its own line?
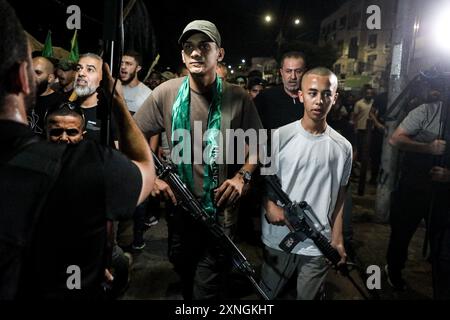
column 153, row 277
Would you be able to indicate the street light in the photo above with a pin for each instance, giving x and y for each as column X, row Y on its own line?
column 243, row 60
column 441, row 30
column 282, row 24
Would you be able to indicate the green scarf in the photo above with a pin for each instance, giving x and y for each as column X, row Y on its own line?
column 181, row 119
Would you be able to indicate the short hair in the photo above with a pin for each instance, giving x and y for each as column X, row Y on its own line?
column 48, row 64
column 256, row 81
column 157, row 73
column 320, row 71
column 255, row 74
column 65, row 110
column 292, row 54
column 136, row 55
column 66, row 65
column 13, row 48
column 366, row 87
column 91, row 55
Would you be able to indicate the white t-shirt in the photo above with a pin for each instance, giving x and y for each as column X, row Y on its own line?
column 135, row 97
column 311, row 168
column 362, row 112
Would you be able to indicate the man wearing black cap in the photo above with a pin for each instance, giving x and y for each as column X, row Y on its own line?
column 280, row 105
column 204, row 102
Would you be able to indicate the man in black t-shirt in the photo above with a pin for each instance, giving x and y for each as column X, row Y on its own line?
column 280, row 105
column 47, row 98
column 87, row 81
column 58, row 252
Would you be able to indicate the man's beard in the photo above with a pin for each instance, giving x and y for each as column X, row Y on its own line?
column 41, row 87
column 130, row 78
column 292, row 87
column 84, row 91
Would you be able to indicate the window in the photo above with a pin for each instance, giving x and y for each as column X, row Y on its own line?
column 340, row 47
column 353, row 48
column 360, row 67
column 337, row 69
column 333, row 26
column 353, row 21
column 372, row 41
column 371, row 62
column 342, row 22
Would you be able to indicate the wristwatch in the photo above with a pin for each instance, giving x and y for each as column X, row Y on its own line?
column 246, row 175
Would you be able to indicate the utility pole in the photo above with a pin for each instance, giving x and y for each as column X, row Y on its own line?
column 402, row 43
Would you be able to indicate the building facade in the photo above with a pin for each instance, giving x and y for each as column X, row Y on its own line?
column 361, row 30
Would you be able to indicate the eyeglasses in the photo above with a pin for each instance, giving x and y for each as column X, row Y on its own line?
column 56, row 132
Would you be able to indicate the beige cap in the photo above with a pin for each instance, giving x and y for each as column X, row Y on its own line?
column 203, row 26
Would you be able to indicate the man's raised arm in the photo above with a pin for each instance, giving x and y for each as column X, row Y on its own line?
column 131, row 140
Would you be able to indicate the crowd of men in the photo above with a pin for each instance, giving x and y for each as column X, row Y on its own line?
column 77, row 194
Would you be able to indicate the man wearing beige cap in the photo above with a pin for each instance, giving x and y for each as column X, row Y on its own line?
column 201, row 102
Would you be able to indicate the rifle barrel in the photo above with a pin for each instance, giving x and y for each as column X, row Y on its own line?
column 307, row 227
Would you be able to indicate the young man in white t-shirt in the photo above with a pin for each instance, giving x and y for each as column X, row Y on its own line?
column 134, row 91
column 313, row 163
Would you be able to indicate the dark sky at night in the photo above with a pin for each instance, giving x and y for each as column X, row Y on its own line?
column 240, row 23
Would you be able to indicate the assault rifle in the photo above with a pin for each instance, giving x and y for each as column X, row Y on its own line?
column 195, row 209
column 303, row 224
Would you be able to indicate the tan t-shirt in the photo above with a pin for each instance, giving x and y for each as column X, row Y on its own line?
column 238, row 111
column 362, row 111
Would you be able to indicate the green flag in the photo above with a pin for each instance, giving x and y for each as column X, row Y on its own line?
column 47, row 51
column 74, row 54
